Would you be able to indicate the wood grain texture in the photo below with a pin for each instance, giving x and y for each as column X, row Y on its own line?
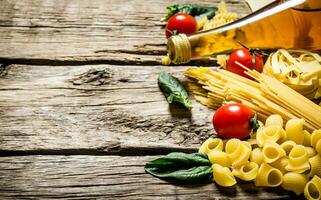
column 82, row 31
column 107, row 177
column 98, row 109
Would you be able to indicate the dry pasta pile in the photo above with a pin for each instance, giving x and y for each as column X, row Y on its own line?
column 267, row 96
column 299, row 69
column 275, row 156
column 222, row 17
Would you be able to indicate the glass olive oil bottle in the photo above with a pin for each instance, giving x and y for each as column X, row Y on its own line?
column 281, row 24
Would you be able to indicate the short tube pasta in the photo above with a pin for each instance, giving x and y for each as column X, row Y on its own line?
column 272, row 152
column 310, row 151
column 294, row 182
column 238, row 152
column 307, row 138
column 298, row 160
column 288, row 146
column 219, row 157
column 211, row 144
column 268, row 176
column 269, row 133
column 316, row 140
column 312, row 190
column 294, row 130
column 315, row 164
column 256, row 156
column 223, row 176
column 247, row 172
column 280, row 164
column 274, row 120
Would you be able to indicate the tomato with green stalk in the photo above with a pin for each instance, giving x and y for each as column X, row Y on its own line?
column 234, row 121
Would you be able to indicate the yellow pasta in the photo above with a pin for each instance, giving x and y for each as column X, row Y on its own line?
column 280, row 164
column 315, row 164
column 316, row 140
column 211, row 144
column 274, row 120
column 223, row 176
column 307, row 138
column 256, row 156
column 272, row 152
column 247, row 172
column 238, row 152
column 268, row 176
column 312, row 190
column 219, row 157
column 288, row 146
column 298, row 160
column 269, row 133
column 294, row 182
column 294, row 130
column 310, row 151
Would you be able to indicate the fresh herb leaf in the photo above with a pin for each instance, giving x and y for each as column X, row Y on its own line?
column 173, row 90
column 181, row 167
column 191, row 9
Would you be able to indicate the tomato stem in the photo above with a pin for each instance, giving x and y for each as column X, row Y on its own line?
column 254, row 123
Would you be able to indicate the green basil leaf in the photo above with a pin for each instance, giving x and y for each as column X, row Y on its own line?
column 191, row 9
column 181, row 167
column 173, row 90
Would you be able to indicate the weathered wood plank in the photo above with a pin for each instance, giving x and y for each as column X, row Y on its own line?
column 96, row 31
column 107, row 177
column 94, row 109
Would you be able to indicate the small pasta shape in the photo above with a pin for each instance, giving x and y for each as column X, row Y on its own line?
column 294, row 130
column 268, row 176
column 269, row 133
column 272, row 152
column 298, row 160
column 316, row 140
column 315, row 164
column 315, row 137
column 312, row 190
column 288, row 146
column 247, row 172
column 274, row 120
column 256, row 156
column 280, row 164
column 294, row 182
column 238, row 152
column 223, row 176
column 211, row 144
column 219, row 157
column 307, row 138
column 310, row 151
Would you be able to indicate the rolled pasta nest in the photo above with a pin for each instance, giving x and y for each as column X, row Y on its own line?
column 298, row 69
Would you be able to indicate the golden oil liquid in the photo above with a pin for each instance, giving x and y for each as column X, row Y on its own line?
column 292, row 28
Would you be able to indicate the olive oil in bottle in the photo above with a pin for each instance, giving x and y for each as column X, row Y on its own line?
column 281, row 24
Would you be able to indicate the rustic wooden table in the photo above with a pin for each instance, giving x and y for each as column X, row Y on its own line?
column 80, row 108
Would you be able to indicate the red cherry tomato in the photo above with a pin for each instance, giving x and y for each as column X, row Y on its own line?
column 181, row 23
column 251, row 60
column 234, row 121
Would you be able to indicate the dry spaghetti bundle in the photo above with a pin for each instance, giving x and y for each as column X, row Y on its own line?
column 267, row 96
